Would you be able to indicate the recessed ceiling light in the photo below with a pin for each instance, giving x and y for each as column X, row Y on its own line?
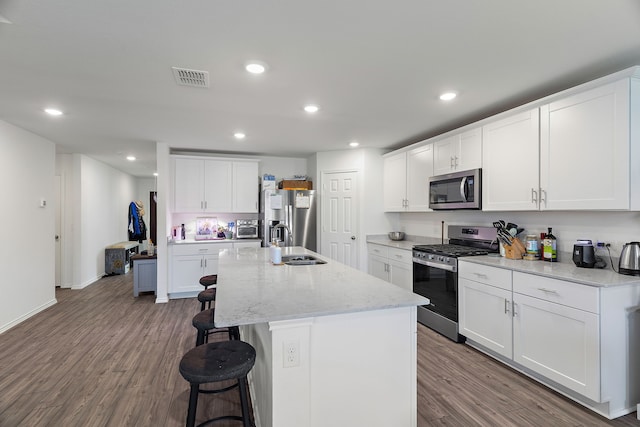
column 155, row 174
column 448, row 96
column 53, row 111
column 239, row 135
column 354, row 144
column 255, row 67
column 131, row 158
column 311, row 108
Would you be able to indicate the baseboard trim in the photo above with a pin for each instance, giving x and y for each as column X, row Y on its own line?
column 25, row 316
column 85, row 284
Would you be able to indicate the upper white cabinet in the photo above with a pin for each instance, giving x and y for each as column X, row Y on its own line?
column 458, row 152
column 585, row 150
column 246, row 188
column 510, row 152
column 215, row 185
column 406, row 175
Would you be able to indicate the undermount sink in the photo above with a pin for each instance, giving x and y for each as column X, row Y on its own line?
column 301, row 260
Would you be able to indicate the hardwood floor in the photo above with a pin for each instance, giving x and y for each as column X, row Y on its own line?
column 101, row 357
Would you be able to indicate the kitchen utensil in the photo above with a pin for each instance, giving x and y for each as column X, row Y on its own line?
column 396, row 235
column 630, row 259
column 584, row 254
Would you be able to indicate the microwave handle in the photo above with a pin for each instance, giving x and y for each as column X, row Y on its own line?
column 463, row 189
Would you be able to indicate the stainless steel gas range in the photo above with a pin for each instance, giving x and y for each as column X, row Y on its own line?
column 435, row 275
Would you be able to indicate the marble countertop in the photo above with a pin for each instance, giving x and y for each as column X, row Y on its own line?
column 563, row 270
column 408, row 243
column 251, row 290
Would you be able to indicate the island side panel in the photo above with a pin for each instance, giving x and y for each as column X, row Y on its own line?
column 260, row 377
column 363, row 369
column 354, row 369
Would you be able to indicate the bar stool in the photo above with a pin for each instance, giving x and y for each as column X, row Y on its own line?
column 206, row 297
column 210, row 280
column 216, row 362
column 203, row 322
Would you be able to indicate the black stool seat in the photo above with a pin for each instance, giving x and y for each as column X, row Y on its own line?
column 209, row 280
column 203, row 322
column 215, row 362
column 206, row 296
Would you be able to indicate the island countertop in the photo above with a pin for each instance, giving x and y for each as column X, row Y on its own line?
column 252, row 290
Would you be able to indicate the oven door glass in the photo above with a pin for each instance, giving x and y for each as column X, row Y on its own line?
column 440, row 286
column 246, row 232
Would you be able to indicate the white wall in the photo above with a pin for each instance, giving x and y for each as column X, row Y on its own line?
column 368, row 164
column 27, row 255
column 616, row 228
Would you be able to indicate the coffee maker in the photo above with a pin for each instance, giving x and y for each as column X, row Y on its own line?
column 584, row 254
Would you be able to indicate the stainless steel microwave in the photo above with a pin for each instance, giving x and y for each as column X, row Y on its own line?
column 458, row 190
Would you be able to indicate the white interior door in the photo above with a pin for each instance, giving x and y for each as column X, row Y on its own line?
column 340, row 202
column 58, row 210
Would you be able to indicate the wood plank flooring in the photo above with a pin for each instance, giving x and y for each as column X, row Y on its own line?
column 101, row 357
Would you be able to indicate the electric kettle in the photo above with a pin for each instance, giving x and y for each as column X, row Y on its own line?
column 630, row 259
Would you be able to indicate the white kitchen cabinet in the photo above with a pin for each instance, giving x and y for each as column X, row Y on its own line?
column 484, row 306
column 559, row 342
column 585, row 149
column 391, row 264
column 562, row 333
column 189, row 262
column 459, row 152
column 215, row 185
column 406, row 175
column 510, row 156
column 245, row 187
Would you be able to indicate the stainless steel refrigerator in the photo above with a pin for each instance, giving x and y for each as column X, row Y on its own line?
column 290, row 217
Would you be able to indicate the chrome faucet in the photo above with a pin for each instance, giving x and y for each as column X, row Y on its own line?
column 286, row 227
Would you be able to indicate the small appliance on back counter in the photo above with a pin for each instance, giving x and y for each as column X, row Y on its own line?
column 247, row 228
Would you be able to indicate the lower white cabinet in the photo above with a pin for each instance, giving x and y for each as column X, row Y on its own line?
column 392, row 265
column 559, row 342
column 577, row 339
column 485, row 315
column 189, row 262
column 548, row 326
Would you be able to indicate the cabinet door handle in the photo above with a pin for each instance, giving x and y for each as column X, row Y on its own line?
column 506, row 306
column 455, row 162
column 513, row 311
column 205, row 263
column 483, row 276
column 550, row 291
column 543, row 199
column 200, row 262
column 534, row 196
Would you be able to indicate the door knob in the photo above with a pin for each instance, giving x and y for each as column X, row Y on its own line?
column 353, row 237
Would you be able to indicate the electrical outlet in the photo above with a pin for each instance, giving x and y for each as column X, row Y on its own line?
column 291, row 354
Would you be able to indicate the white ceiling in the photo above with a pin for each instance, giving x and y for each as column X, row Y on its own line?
column 375, row 68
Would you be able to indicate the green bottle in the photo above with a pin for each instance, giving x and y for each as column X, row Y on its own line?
column 550, row 251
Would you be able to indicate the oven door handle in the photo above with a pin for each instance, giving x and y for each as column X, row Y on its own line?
column 435, row 265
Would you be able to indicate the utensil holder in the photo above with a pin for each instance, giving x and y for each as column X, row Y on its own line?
column 516, row 250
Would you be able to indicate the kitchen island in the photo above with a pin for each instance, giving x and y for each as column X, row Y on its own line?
column 335, row 346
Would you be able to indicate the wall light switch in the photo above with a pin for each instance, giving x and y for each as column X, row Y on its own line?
column 43, row 203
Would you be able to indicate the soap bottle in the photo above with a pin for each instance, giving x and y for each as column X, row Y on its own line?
column 550, row 247
column 183, row 232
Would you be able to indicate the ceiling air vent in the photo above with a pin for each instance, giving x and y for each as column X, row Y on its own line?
column 195, row 78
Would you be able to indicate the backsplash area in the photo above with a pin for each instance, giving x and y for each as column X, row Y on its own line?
column 616, row 228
